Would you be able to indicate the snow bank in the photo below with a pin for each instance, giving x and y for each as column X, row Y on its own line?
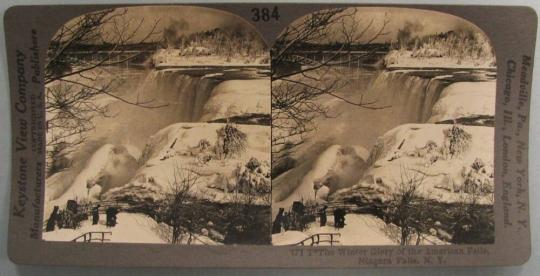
column 237, row 97
column 465, row 99
column 179, row 147
column 109, row 167
column 414, row 151
column 337, row 167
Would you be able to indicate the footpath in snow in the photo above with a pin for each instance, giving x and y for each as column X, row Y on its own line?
column 131, row 228
column 360, row 229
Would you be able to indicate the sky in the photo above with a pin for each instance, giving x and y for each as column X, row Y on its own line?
column 188, row 19
column 420, row 22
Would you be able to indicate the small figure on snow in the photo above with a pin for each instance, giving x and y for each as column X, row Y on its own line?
column 111, row 216
column 339, row 218
column 322, row 215
column 95, row 215
column 52, row 220
column 276, row 226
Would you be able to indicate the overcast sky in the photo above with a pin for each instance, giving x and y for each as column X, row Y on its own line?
column 421, row 22
column 189, row 19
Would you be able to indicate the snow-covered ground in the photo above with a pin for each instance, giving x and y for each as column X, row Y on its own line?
column 130, row 228
column 360, row 229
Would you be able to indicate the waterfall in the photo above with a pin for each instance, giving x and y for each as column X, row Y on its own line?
column 181, row 96
column 410, row 97
column 184, row 94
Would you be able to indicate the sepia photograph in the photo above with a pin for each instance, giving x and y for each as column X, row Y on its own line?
column 382, row 129
column 158, row 129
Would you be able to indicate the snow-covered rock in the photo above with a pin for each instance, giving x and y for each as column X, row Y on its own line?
column 237, row 97
column 189, row 147
column 421, row 151
column 465, row 99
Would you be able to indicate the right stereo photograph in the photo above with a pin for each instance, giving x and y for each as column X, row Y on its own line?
column 382, row 129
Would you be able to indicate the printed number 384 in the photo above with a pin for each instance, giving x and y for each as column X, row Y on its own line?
column 264, row 14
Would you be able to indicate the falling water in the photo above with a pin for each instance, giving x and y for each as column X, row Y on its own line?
column 184, row 94
column 168, row 96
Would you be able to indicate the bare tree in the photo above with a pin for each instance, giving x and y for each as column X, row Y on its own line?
column 179, row 207
column 298, row 81
column 74, row 72
column 405, row 207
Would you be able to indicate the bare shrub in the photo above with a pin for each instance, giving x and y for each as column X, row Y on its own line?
column 179, row 208
column 473, row 223
column 231, row 141
column 456, row 141
column 408, row 210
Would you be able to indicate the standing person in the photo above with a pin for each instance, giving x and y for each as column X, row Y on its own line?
column 52, row 220
column 339, row 218
column 276, row 226
column 109, row 213
column 95, row 215
column 322, row 215
column 113, row 216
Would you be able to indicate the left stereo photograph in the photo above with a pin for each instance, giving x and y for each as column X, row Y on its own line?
column 157, row 129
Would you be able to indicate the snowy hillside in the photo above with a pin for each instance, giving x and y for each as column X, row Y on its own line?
column 189, row 146
column 448, row 166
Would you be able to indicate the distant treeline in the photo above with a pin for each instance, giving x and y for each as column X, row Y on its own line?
column 147, row 46
column 461, row 44
column 218, row 41
column 335, row 46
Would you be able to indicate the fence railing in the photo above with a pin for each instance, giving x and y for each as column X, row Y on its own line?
column 317, row 239
column 93, row 237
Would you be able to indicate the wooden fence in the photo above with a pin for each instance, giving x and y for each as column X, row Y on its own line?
column 93, row 237
column 317, row 239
